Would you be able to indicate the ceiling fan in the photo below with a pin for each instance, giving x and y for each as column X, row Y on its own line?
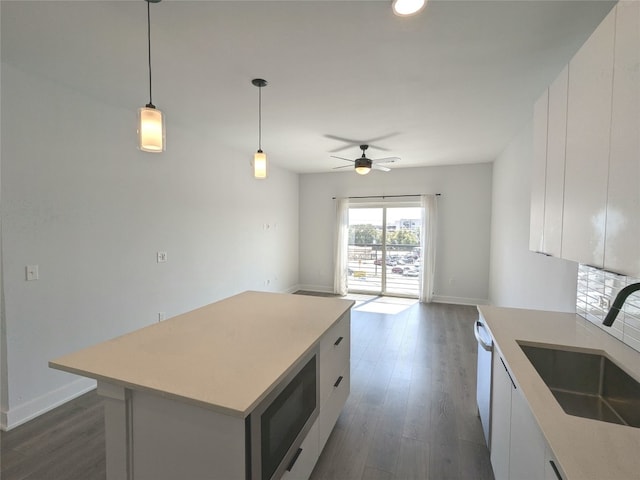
column 363, row 165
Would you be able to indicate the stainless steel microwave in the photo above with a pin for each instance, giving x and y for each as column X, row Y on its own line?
column 278, row 425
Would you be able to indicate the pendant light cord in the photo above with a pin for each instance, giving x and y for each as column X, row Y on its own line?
column 260, row 118
column 149, row 45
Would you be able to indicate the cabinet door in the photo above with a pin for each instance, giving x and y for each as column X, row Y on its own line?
column 556, row 143
column 527, row 449
column 538, row 173
column 587, row 153
column 306, row 459
column 622, row 247
column 552, row 469
column 500, row 418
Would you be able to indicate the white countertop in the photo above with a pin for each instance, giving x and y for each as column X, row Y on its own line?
column 226, row 356
column 584, row 448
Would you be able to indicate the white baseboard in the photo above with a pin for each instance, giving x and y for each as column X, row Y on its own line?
column 293, row 289
column 50, row 400
column 316, row 288
column 459, row 300
column 436, row 298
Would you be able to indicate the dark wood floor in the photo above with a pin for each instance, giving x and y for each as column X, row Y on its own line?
column 411, row 413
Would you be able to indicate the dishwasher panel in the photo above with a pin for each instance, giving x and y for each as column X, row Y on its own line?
column 483, row 387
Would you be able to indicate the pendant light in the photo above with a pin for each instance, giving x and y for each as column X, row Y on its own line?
column 404, row 8
column 151, row 129
column 259, row 158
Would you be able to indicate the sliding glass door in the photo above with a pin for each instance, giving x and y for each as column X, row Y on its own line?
column 384, row 249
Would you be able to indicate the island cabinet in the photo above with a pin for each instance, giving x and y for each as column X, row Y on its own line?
column 335, row 376
column 196, row 396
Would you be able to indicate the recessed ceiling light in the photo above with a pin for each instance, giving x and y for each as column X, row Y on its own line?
column 404, row 8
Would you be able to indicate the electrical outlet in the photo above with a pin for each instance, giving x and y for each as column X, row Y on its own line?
column 604, row 302
column 161, row 316
column 32, row 272
column 162, row 257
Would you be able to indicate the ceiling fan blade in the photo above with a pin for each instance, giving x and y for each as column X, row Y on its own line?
column 344, row 166
column 342, row 158
column 353, row 143
column 381, row 168
column 386, row 160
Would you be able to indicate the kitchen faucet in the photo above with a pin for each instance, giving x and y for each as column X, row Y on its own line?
column 619, row 302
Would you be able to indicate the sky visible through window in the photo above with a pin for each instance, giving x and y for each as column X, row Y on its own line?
column 373, row 216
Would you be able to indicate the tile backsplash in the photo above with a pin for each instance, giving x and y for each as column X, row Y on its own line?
column 596, row 291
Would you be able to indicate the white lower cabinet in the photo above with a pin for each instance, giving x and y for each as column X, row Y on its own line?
column 335, row 382
column 518, row 449
column 335, row 379
column 551, row 469
column 306, row 458
column 527, row 446
column 500, row 418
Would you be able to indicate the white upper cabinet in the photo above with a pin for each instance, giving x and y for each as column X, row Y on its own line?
column 587, row 148
column 538, row 173
column 554, row 180
column 622, row 246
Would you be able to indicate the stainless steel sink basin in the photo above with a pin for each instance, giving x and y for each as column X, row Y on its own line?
column 587, row 384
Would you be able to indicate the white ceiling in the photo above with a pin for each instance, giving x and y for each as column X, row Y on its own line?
column 451, row 85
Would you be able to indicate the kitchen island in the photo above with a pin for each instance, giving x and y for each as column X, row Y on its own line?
column 178, row 394
column 575, row 447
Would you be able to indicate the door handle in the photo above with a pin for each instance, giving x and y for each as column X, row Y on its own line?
column 294, row 459
column 476, row 331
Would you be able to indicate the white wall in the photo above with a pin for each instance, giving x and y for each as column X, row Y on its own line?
column 81, row 202
column 520, row 278
column 464, row 218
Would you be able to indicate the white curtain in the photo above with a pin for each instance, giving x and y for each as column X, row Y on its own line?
column 428, row 245
column 341, row 245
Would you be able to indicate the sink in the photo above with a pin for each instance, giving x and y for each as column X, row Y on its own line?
column 587, row 383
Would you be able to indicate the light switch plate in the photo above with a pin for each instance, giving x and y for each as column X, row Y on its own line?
column 162, row 257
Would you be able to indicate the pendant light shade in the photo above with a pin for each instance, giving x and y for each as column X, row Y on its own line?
column 260, row 165
column 403, row 8
column 259, row 158
column 151, row 129
column 151, row 132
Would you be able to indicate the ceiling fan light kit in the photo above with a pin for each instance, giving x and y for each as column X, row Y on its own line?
column 259, row 158
column 404, row 8
column 364, row 165
column 151, row 125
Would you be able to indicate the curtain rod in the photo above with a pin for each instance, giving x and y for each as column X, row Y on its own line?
column 391, row 196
